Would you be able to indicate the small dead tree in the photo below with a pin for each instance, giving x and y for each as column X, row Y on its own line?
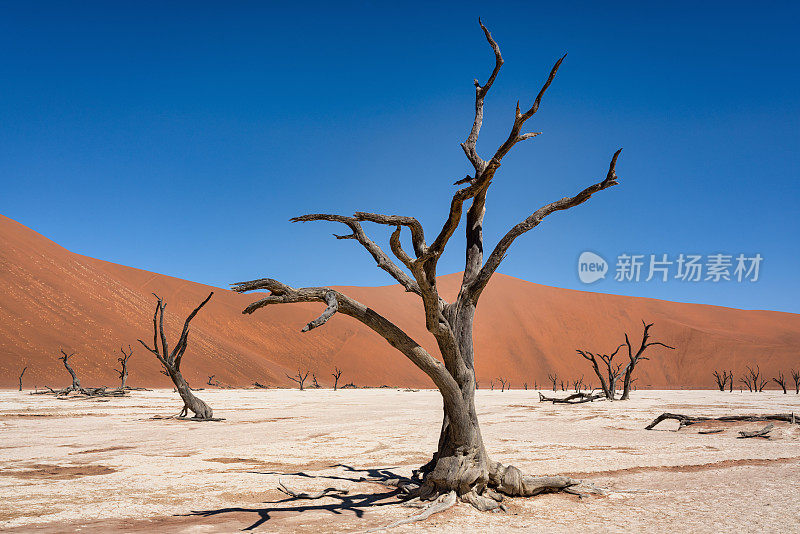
column 76, row 384
column 210, row 381
column 796, row 378
column 123, row 361
column 300, row 378
column 503, row 383
column 611, row 372
column 525, row 385
column 563, row 387
column 553, row 377
column 576, row 384
column 461, row 466
column 722, row 379
column 20, row 376
column 314, row 380
column 171, row 360
column 634, row 359
column 753, row 379
column 781, row 381
column 336, row 374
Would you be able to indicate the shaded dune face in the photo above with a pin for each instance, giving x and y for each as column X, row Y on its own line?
column 51, row 298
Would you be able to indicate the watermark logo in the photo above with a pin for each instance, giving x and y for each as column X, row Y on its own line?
column 663, row 268
column 591, row 267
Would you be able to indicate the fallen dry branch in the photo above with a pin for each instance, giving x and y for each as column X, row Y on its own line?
column 763, row 433
column 575, row 398
column 686, row 420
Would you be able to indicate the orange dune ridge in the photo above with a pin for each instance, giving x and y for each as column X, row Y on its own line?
column 52, row 298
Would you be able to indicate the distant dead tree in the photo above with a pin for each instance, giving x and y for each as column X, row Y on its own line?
column 20, row 376
column 300, row 378
column 314, row 380
column 210, row 380
column 730, row 386
column 491, row 384
column 461, row 465
column 611, row 372
column 563, row 387
column 123, row 361
column 722, row 379
column 336, row 374
column 796, row 378
column 553, row 377
column 525, row 385
column 753, row 379
column 503, row 383
column 576, row 384
column 634, row 359
column 171, row 360
column 76, row 384
column 781, row 381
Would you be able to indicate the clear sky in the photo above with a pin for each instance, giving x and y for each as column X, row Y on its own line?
column 181, row 137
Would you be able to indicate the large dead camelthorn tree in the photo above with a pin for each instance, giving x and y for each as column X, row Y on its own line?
column 171, row 360
column 635, row 358
column 781, row 381
column 461, row 463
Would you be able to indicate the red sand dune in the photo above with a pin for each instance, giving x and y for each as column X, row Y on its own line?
column 52, row 298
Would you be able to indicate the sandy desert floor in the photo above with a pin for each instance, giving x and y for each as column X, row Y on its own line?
column 106, row 465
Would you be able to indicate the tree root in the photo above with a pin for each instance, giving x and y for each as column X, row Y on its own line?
column 686, row 420
column 441, row 504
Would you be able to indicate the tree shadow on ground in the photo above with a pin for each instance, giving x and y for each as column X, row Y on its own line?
column 356, row 503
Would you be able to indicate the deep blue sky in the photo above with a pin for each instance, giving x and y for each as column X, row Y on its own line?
column 181, row 138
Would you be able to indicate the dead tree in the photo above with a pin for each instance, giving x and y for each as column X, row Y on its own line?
column 123, row 361
column 730, row 374
column 76, row 384
column 781, row 381
column 300, row 378
column 314, row 379
column 634, row 359
column 609, row 375
column 796, row 378
column 461, row 463
column 575, row 398
column 753, row 379
column 503, row 383
column 525, row 385
column 722, row 379
column 553, row 378
column 20, row 376
column 171, row 360
column 687, row 420
column 576, row 384
column 336, row 375
column 563, row 388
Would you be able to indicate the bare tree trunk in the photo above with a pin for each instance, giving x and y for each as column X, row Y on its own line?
column 171, row 360
column 76, row 384
column 123, row 371
column 796, row 378
column 20, row 376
